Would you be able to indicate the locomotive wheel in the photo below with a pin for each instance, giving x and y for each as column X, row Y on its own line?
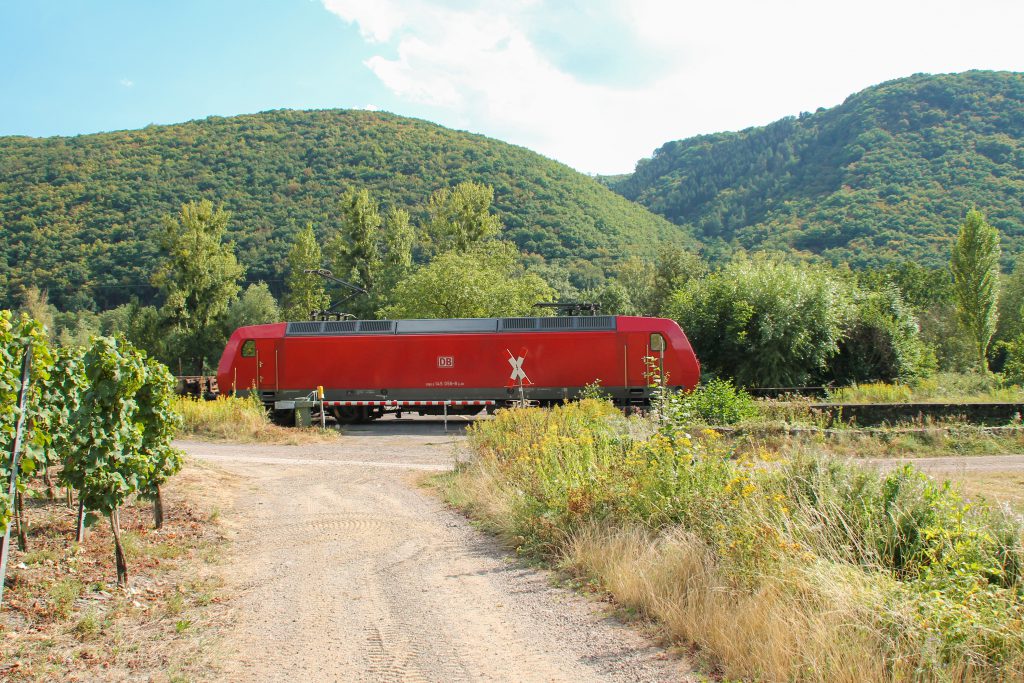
column 347, row 415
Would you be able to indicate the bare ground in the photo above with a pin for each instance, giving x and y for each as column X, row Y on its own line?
column 344, row 570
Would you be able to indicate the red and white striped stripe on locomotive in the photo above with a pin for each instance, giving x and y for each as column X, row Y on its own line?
column 367, row 367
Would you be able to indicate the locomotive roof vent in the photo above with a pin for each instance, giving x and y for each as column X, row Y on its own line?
column 334, row 326
column 304, row 328
column 596, row 322
column 560, row 323
column 556, row 323
column 518, row 324
column 376, row 325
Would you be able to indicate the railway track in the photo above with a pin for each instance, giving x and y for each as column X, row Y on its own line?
column 874, row 414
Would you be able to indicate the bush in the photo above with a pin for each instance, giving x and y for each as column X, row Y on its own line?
column 946, row 386
column 761, row 322
column 719, row 402
column 880, row 342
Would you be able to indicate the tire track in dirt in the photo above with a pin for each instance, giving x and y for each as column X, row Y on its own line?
column 346, row 571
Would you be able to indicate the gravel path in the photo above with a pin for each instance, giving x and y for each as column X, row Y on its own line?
column 344, row 570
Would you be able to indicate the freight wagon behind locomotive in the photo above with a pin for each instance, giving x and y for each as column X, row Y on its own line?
column 368, row 367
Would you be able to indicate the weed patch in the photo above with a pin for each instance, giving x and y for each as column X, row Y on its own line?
column 778, row 565
column 245, row 420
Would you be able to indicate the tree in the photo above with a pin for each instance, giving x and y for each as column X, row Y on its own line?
column 305, row 291
column 461, row 217
column 558, row 278
column 637, row 277
column 198, row 279
column 761, row 322
column 397, row 240
column 674, row 268
column 396, row 252
column 920, row 286
column 612, row 297
column 483, row 282
column 1011, row 303
column 975, row 268
column 355, row 250
column 256, row 306
column 36, row 305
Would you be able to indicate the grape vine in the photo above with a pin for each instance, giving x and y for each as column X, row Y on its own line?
column 103, row 413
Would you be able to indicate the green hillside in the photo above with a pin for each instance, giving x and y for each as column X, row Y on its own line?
column 80, row 216
column 887, row 175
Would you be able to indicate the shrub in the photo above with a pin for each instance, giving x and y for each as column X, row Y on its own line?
column 761, row 322
column 720, row 402
column 880, row 342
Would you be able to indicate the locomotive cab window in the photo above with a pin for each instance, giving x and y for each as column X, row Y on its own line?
column 249, row 348
column 657, row 342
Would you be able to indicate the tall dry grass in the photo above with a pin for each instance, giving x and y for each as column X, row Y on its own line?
column 806, row 624
column 231, row 418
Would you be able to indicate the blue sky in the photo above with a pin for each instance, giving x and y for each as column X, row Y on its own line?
column 597, row 85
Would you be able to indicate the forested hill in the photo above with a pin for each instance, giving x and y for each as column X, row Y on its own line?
column 80, row 216
column 886, row 175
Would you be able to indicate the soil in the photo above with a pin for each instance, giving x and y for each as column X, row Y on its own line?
column 344, row 569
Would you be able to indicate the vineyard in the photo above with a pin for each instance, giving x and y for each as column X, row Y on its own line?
column 96, row 421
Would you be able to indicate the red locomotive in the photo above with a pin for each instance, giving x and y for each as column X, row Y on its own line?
column 369, row 367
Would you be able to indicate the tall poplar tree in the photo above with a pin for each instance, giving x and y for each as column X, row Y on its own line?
column 354, row 252
column 975, row 268
column 199, row 278
column 306, row 291
column 397, row 238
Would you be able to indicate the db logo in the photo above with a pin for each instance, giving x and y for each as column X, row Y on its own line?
column 446, row 361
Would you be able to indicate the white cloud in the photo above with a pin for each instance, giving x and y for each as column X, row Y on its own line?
column 731, row 65
column 127, row 83
column 377, row 19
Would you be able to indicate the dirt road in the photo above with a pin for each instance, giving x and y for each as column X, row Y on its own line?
column 345, row 570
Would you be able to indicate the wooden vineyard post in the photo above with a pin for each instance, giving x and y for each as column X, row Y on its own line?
column 50, row 493
column 5, row 549
column 122, row 565
column 19, row 517
column 158, row 508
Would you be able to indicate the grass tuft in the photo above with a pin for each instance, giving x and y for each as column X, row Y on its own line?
column 63, row 594
column 88, row 626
